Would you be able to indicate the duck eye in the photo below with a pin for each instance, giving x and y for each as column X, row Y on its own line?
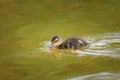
column 55, row 41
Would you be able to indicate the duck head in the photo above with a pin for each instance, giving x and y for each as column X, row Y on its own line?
column 55, row 41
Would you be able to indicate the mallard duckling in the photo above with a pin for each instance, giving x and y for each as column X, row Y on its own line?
column 70, row 43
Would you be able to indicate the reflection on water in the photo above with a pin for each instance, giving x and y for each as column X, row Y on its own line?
column 100, row 45
column 99, row 76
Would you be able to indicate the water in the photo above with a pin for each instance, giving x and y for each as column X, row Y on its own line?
column 26, row 28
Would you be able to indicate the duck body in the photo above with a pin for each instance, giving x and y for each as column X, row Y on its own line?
column 70, row 43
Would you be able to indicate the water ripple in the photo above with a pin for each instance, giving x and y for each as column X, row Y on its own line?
column 99, row 76
column 101, row 45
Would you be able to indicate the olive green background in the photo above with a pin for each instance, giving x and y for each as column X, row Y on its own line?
column 25, row 24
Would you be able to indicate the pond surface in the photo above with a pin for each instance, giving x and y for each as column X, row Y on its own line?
column 26, row 28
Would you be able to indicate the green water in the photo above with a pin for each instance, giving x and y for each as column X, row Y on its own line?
column 26, row 24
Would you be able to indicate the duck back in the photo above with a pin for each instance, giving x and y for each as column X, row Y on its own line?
column 73, row 43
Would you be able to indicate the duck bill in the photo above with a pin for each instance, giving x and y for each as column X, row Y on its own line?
column 51, row 46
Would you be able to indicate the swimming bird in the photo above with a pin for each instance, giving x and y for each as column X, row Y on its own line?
column 70, row 43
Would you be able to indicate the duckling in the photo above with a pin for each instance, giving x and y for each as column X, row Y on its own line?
column 70, row 43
